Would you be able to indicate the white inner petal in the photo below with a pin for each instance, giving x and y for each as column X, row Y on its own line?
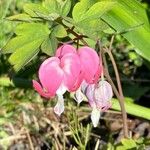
column 61, row 90
column 59, row 107
column 95, row 116
column 79, row 97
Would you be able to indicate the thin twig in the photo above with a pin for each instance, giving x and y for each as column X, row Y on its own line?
column 111, row 42
column 118, row 94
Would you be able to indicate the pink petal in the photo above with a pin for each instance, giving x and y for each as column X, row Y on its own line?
column 90, row 62
column 51, row 75
column 64, row 49
column 90, row 95
column 78, row 82
column 39, row 89
column 70, row 63
column 97, row 75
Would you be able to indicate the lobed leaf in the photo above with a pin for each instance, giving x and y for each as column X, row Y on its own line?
column 26, row 44
column 59, row 31
column 49, row 45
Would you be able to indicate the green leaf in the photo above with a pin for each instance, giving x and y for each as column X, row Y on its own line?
column 128, row 143
column 32, row 28
column 132, row 109
column 22, row 17
column 80, row 9
column 33, row 9
column 96, row 27
column 87, row 9
column 49, row 45
column 98, row 9
column 25, row 54
column 130, row 18
column 65, row 7
column 26, row 44
column 52, row 6
column 59, row 31
column 86, row 15
column 50, row 17
column 69, row 22
column 61, row 7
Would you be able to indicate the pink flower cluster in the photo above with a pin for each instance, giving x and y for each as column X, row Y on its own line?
column 74, row 71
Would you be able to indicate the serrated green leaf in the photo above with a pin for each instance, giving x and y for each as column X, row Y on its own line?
column 61, row 7
column 22, row 17
column 69, row 22
column 80, row 9
column 52, row 6
column 96, row 27
column 27, row 32
column 65, row 8
column 129, row 17
column 98, row 9
column 50, row 17
column 15, row 43
column 49, row 46
column 32, row 28
column 24, row 54
column 26, row 45
column 87, row 9
column 33, row 9
column 86, row 15
column 59, row 31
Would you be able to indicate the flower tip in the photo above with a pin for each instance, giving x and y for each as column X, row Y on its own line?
column 95, row 116
column 59, row 107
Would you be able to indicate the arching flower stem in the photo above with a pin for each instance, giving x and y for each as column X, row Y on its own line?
column 118, row 92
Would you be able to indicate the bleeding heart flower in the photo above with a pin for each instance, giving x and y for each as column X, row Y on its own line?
column 99, row 96
column 57, row 75
column 90, row 66
column 70, row 70
column 90, row 62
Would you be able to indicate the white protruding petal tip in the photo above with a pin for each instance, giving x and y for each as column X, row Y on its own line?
column 79, row 97
column 59, row 107
column 95, row 116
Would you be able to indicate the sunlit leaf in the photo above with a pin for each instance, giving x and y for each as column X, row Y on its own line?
column 87, row 9
column 22, row 17
column 26, row 44
column 49, row 45
column 59, row 31
column 129, row 18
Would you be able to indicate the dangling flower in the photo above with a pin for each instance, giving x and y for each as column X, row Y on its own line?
column 91, row 70
column 90, row 64
column 58, row 75
column 70, row 70
column 99, row 96
column 90, row 67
